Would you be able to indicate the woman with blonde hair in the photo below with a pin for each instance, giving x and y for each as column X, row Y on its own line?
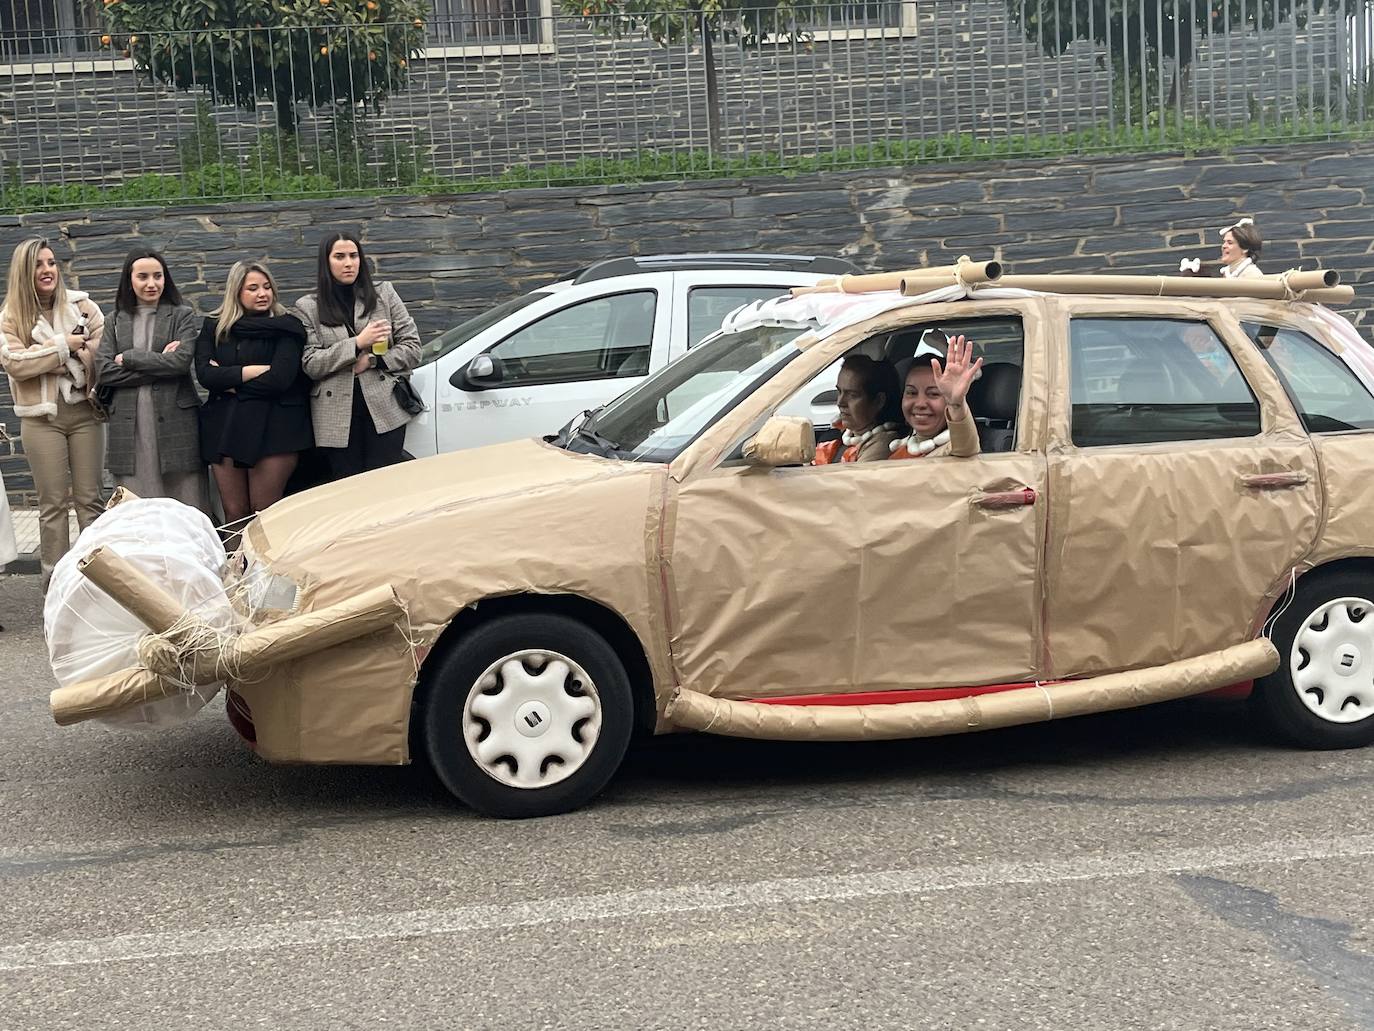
column 49, row 336
column 257, row 419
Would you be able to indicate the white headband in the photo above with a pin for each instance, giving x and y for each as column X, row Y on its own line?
column 1242, row 222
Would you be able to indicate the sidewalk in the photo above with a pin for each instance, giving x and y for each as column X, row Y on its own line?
column 26, row 532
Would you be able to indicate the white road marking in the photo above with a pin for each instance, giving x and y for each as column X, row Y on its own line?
column 630, row 905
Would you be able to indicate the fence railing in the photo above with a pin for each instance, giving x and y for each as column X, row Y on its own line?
column 514, row 94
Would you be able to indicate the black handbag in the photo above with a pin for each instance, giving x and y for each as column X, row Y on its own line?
column 406, row 396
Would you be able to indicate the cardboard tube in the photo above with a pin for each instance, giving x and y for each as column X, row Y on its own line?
column 126, row 584
column 221, row 658
column 692, row 710
column 107, row 695
column 948, row 275
column 1273, row 288
column 120, row 495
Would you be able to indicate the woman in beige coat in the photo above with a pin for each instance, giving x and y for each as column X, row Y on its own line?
column 361, row 346
column 49, row 337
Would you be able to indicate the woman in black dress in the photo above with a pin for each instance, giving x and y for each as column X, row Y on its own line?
column 257, row 420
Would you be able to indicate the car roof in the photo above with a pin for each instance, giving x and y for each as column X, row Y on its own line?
column 826, row 311
column 609, row 268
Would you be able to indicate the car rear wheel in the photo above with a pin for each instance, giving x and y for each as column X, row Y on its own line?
column 1322, row 694
column 528, row 715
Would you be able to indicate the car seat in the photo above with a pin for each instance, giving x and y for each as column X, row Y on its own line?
column 994, row 398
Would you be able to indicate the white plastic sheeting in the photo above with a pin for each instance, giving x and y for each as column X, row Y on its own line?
column 90, row 635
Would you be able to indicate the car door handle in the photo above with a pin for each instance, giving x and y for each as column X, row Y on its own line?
column 1273, row 481
column 1006, row 498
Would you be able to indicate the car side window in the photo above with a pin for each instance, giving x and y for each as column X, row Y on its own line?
column 601, row 338
column 1144, row 381
column 708, row 305
column 1326, row 392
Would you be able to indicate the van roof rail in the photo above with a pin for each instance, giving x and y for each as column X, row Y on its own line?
column 628, row 266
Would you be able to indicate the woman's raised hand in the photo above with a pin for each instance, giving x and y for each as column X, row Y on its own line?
column 958, row 372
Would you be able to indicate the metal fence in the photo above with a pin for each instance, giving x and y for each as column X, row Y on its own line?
column 513, row 92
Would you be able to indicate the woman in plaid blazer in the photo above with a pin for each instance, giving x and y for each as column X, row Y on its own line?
column 360, row 341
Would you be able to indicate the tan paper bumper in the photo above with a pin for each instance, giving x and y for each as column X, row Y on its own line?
column 692, row 710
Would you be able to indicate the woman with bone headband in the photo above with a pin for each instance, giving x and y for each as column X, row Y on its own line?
column 933, row 400
column 870, row 404
column 1241, row 244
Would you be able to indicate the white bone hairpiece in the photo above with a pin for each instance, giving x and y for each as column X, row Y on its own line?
column 1247, row 221
column 1190, row 265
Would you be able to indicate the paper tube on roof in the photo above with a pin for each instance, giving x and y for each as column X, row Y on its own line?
column 1318, row 284
column 962, row 270
column 695, row 711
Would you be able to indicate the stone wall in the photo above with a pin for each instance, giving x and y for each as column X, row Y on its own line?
column 963, row 67
column 451, row 257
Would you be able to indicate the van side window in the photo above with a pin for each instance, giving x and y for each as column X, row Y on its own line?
column 1326, row 392
column 1143, row 381
column 603, row 338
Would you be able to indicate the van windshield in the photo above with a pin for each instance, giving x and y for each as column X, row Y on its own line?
column 465, row 331
column 656, row 420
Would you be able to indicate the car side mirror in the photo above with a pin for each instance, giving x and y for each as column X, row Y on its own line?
column 486, row 370
column 783, row 440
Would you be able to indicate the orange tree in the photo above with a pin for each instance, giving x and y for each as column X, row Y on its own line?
column 317, row 52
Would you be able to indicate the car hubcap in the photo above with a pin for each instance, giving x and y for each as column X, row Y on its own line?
column 532, row 719
column 1332, row 661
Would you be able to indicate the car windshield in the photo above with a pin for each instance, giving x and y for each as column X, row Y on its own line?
column 656, row 420
column 465, row 331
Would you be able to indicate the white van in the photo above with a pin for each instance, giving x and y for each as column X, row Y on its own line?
column 528, row 366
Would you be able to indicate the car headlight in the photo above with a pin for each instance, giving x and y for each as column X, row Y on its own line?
column 255, row 589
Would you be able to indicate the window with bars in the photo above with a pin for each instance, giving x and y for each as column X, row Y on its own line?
column 30, row 28
column 478, row 22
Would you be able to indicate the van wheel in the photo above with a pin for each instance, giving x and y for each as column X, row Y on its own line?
column 528, row 715
column 1322, row 694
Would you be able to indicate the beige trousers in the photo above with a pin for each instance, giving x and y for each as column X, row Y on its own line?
column 66, row 455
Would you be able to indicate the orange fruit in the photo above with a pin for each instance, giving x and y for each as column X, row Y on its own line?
column 133, row 41
column 402, row 62
column 372, row 55
column 324, row 50
column 104, row 41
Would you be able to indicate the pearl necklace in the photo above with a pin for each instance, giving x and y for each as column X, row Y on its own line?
column 850, row 438
column 916, row 446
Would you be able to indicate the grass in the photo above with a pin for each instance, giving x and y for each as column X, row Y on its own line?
column 265, row 179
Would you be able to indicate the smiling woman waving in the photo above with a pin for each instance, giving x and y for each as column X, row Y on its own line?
column 257, row 420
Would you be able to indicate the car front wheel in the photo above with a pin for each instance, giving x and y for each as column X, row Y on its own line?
column 1322, row 694
column 528, row 715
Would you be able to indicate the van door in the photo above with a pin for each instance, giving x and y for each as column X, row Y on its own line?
column 578, row 356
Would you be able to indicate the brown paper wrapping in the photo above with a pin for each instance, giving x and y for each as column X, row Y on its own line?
column 783, row 440
column 126, row 584
column 963, row 270
column 107, row 695
column 1315, row 285
column 693, row 711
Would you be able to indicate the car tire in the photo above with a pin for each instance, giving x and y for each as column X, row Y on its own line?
column 528, row 715
column 1322, row 694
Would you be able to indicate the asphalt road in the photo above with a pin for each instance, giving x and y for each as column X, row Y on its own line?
column 1167, row 868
